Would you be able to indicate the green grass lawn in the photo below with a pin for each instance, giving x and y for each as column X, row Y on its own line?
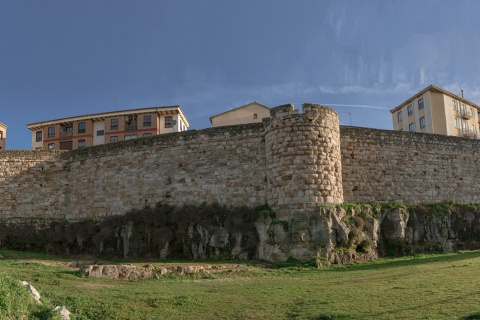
column 424, row 287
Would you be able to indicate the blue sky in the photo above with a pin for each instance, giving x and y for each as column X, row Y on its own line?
column 64, row 58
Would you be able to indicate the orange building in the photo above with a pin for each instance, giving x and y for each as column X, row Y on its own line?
column 95, row 129
column 249, row 113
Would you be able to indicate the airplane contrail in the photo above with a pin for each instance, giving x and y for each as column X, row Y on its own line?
column 354, row 105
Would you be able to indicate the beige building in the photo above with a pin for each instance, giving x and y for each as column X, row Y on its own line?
column 434, row 110
column 249, row 113
column 3, row 136
column 94, row 129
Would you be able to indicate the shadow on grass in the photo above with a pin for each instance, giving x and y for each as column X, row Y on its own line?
column 333, row 316
column 381, row 315
column 301, row 305
column 472, row 316
column 406, row 261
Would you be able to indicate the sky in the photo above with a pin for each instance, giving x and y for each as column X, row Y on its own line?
column 63, row 58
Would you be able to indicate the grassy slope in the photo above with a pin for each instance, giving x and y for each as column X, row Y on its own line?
column 427, row 287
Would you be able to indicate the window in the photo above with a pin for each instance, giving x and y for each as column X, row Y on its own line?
column 81, row 127
column 420, row 104
column 100, row 132
column 254, row 116
column 81, row 144
column 134, row 136
column 38, row 136
column 410, row 110
column 422, row 122
column 147, row 120
column 51, row 132
column 399, row 116
column 1, row 135
column 147, row 134
column 458, row 123
column 474, row 131
column 51, row 146
column 411, row 127
column 113, row 124
column 113, row 139
column 169, row 122
column 455, row 105
column 472, row 113
column 463, row 109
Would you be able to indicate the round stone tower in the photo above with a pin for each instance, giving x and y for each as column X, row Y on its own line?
column 303, row 158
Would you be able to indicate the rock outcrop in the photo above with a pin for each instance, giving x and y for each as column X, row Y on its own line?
column 134, row 273
column 341, row 234
column 61, row 310
column 32, row 291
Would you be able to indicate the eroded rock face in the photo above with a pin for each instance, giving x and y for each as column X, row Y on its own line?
column 339, row 234
column 328, row 233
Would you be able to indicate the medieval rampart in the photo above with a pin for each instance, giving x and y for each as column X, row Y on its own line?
column 31, row 184
column 291, row 161
column 382, row 166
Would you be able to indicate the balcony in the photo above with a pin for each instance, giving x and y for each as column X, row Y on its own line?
column 130, row 122
column 466, row 115
column 66, row 133
column 467, row 133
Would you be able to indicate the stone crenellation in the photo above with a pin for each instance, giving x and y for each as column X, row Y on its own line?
column 292, row 161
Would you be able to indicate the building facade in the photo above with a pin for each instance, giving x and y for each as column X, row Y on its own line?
column 3, row 136
column 434, row 110
column 249, row 113
column 95, row 129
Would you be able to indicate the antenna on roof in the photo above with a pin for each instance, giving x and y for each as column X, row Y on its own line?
column 350, row 114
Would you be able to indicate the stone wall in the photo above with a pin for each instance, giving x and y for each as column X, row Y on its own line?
column 32, row 184
column 291, row 161
column 224, row 165
column 382, row 166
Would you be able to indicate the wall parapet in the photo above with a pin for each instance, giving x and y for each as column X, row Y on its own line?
column 167, row 139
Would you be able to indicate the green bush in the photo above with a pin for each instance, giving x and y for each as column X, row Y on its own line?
column 15, row 301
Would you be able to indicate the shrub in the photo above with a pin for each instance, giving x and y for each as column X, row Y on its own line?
column 15, row 301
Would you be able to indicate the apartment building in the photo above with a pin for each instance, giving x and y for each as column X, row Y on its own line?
column 3, row 136
column 95, row 129
column 249, row 113
column 434, row 110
